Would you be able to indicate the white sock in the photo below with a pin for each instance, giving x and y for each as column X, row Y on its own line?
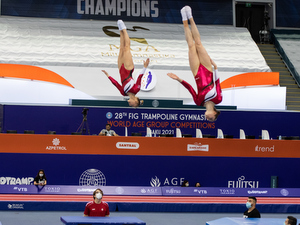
column 188, row 11
column 121, row 25
column 183, row 14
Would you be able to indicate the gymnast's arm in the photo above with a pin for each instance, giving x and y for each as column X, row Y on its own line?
column 114, row 82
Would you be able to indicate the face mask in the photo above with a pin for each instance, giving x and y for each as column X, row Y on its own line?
column 187, row 184
column 41, row 174
column 248, row 205
column 99, row 196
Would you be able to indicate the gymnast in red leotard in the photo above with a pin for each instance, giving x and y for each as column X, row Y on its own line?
column 207, row 80
column 126, row 68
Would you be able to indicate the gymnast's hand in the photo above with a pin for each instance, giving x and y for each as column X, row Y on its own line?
column 146, row 63
column 174, row 77
column 105, row 73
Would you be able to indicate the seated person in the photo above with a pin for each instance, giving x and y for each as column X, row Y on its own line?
column 197, row 184
column 107, row 131
column 185, row 183
column 97, row 207
column 40, row 178
column 252, row 212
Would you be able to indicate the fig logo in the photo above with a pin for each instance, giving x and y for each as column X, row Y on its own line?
column 127, row 145
column 198, row 147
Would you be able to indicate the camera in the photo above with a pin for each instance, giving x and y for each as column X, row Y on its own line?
column 85, row 111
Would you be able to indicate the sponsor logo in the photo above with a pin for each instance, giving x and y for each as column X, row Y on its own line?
column 127, row 145
column 92, row 177
column 15, row 206
column 119, row 190
column 175, row 181
column 148, row 81
column 242, row 183
column 155, row 182
column 148, row 190
column 173, row 191
column 15, row 181
column 257, row 192
column 56, row 146
column 109, row 115
column 198, row 147
column 201, row 192
column 265, row 149
column 155, row 103
column 227, row 191
column 20, row 189
column 284, row 192
column 52, row 189
column 85, row 190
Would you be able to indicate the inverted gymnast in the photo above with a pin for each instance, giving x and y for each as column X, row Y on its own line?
column 207, row 80
column 126, row 67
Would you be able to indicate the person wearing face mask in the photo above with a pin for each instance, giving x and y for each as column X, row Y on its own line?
column 185, row 183
column 251, row 212
column 40, row 178
column 290, row 221
column 97, row 207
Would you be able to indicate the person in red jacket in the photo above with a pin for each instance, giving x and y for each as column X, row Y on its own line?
column 126, row 68
column 207, row 80
column 97, row 207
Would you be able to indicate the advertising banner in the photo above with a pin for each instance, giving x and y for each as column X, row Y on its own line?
column 212, row 12
column 149, row 191
column 67, row 119
column 148, row 161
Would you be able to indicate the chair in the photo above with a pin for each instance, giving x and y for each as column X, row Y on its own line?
column 198, row 133
column 126, row 132
column 220, row 134
column 187, row 135
column 242, row 134
column 149, row 132
column 265, row 135
column 178, row 132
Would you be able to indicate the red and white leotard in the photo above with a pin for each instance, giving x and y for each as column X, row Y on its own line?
column 128, row 84
column 208, row 85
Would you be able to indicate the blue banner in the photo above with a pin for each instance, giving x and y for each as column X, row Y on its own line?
column 150, row 191
column 65, row 120
column 155, row 171
column 205, row 11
